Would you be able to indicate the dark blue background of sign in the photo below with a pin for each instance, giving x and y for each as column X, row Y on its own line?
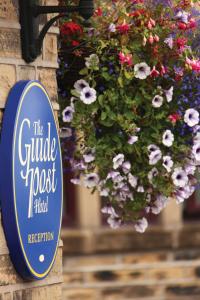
column 35, row 106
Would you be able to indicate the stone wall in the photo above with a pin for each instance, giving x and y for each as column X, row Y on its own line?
column 162, row 264
column 12, row 69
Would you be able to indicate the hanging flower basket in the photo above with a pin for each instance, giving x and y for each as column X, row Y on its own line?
column 135, row 109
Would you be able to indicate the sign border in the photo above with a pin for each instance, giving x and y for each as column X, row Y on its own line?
column 27, row 85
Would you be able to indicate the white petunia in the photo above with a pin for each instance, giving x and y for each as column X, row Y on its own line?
column 79, row 85
column 179, row 177
column 112, row 27
column 115, row 176
column 114, row 222
column 196, row 151
column 126, row 166
column 91, row 180
column 118, row 161
column 132, row 180
column 152, row 148
column 190, row 168
column 67, row 114
column 75, row 181
column 140, row 189
column 196, row 139
column 141, row 225
column 169, row 94
column 183, row 16
column 157, row 101
column 108, row 209
column 167, row 163
column 142, row 70
column 191, row 117
column 105, row 192
column 92, row 61
column 89, row 156
column 184, row 193
column 88, row 95
column 133, row 139
column 168, row 138
column 170, row 42
column 65, row 132
column 159, row 204
column 154, row 157
column 153, row 173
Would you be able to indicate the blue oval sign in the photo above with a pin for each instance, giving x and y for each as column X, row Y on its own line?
column 31, row 180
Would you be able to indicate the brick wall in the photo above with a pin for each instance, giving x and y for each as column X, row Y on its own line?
column 123, row 265
column 12, row 69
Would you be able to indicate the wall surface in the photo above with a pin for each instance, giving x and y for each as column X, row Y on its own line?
column 12, row 69
column 162, row 264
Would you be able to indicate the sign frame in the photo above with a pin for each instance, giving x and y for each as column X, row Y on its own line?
column 10, row 217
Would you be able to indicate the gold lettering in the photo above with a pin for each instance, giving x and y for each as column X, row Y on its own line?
column 40, row 237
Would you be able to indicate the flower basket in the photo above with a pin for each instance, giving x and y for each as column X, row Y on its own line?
column 136, row 109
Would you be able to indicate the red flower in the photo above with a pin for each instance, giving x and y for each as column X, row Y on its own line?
column 154, row 73
column 137, row 13
column 98, row 12
column 75, row 43
column 174, row 118
column 71, row 28
column 126, row 59
column 181, row 43
column 182, row 26
column 123, row 28
column 194, row 64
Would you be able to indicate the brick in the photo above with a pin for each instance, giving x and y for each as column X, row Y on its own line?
column 10, row 43
column 50, row 48
column 87, row 261
column 17, row 295
column 48, row 79
column 144, row 258
column 191, row 254
column 7, row 79
column 189, row 237
column 9, row 9
column 134, row 292
column 52, row 292
column 75, row 277
column 6, row 296
column 121, row 240
column 26, row 73
column 183, row 290
column 160, row 273
column 81, row 294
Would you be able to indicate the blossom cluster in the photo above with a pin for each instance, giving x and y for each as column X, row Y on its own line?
column 138, row 135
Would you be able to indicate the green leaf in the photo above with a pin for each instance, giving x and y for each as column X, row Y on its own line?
column 120, row 81
column 84, row 71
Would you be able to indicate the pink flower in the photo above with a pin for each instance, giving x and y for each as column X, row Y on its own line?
column 154, row 72
column 163, row 70
column 151, row 39
column 126, row 59
column 194, row 64
column 153, row 22
column 156, row 38
column 174, row 118
column 192, row 23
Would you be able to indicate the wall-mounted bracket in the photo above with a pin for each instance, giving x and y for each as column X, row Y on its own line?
column 31, row 37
